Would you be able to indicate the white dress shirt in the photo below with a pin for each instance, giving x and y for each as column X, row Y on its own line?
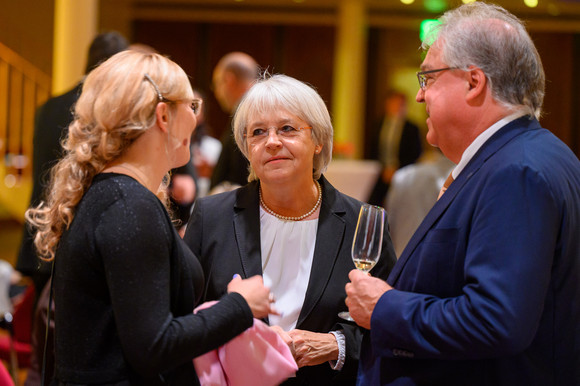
column 287, row 252
column 480, row 140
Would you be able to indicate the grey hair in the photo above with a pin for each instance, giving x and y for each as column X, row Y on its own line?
column 492, row 39
column 271, row 93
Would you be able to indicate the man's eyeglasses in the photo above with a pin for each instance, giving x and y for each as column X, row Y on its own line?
column 260, row 134
column 421, row 76
column 195, row 104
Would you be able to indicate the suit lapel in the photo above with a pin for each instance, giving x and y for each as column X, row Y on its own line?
column 331, row 228
column 247, row 229
column 498, row 140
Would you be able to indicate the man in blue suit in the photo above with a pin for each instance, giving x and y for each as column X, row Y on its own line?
column 487, row 292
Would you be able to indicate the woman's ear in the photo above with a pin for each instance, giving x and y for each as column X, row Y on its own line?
column 162, row 116
column 317, row 149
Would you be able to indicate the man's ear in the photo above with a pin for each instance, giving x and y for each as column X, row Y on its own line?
column 477, row 83
column 228, row 78
column 162, row 116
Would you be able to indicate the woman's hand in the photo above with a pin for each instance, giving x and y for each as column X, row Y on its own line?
column 313, row 348
column 255, row 293
column 285, row 337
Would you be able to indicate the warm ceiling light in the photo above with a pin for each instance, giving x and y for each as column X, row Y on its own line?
column 531, row 3
column 407, row 2
column 468, row 1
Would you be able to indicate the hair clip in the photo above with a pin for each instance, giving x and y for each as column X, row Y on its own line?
column 154, row 86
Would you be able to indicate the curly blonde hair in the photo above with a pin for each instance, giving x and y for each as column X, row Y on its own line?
column 116, row 106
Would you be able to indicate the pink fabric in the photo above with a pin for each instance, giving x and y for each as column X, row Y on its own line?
column 256, row 357
column 5, row 378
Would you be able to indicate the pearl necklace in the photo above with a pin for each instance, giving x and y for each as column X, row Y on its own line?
column 289, row 218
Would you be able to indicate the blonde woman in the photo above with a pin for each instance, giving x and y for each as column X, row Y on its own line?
column 125, row 284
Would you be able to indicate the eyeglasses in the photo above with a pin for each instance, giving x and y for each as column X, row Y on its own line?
column 423, row 79
column 195, row 104
column 260, row 134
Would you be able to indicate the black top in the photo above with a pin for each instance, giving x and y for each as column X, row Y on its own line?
column 125, row 288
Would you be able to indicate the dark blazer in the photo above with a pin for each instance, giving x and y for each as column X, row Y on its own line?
column 486, row 291
column 410, row 149
column 224, row 232
column 232, row 165
column 410, row 145
column 50, row 128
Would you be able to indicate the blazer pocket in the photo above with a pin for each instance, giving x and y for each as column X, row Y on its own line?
column 437, row 268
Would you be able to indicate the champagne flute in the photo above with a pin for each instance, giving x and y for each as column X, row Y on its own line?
column 367, row 242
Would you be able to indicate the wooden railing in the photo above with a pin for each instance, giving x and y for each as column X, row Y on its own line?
column 23, row 88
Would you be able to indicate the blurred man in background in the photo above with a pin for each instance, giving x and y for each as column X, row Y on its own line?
column 398, row 143
column 234, row 74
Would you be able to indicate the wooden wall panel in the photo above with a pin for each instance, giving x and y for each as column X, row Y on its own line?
column 308, row 55
column 305, row 52
column 556, row 52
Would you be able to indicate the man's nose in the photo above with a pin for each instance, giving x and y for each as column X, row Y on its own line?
column 420, row 97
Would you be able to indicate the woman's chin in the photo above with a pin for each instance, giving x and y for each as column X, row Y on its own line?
column 276, row 177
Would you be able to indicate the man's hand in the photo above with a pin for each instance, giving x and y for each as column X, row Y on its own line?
column 362, row 294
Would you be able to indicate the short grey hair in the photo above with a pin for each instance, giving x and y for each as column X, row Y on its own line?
column 271, row 93
column 479, row 34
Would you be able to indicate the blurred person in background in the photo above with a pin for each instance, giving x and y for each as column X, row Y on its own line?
column 412, row 193
column 234, row 74
column 398, row 143
column 205, row 149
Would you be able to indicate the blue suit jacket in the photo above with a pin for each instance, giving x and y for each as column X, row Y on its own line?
column 488, row 289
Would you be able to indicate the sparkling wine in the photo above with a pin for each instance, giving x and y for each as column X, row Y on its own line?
column 364, row 265
column 367, row 241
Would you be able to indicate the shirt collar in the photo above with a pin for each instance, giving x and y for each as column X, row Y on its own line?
column 482, row 139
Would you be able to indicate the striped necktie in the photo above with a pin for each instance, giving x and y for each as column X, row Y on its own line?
column 448, row 182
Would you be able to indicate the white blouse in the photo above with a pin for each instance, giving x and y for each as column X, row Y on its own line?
column 287, row 253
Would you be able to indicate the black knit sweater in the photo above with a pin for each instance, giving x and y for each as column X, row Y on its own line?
column 125, row 288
